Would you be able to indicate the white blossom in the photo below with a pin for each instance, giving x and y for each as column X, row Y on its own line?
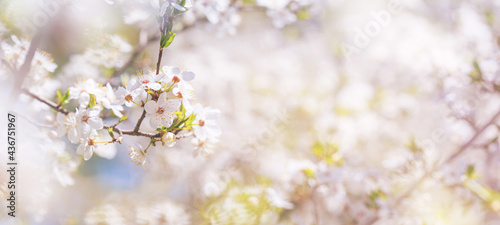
column 161, row 112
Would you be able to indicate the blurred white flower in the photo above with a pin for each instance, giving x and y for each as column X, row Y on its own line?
column 129, row 94
column 138, row 154
column 109, row 101
column 150, row 80
column 87, row 146
column 204, row 147
column 83, row 90
column 206, row 118
column 161, row 112
column 88, row 120
column 277, row 200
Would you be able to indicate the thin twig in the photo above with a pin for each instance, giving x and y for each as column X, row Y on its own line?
column 139, row 122
column 140, row 47
column 159, row 61
column 47, row 102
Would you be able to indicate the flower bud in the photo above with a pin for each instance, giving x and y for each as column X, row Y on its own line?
column 168, row 139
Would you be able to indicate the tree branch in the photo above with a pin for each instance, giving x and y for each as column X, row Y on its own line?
column 140, row 47
column 51, row 104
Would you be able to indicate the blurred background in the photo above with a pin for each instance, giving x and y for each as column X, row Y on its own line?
column 333, row 112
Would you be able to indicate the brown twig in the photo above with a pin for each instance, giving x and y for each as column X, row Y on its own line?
column 51, row 104
column 140, row 47
column 159, row 61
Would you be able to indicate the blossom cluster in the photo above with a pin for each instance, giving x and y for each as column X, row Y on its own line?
column 166, row 100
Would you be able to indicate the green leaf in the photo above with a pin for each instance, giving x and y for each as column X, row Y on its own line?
column 110, row 131
column 66, row 96
column 189, row 120
column 167, row 40
column 59, row 96
column 123, row 118
column 92, row 102
column 471, row 174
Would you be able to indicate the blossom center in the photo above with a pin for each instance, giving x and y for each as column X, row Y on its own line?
column 91, row 141
column 85, row 118
column 201, row 123
column 179, row 94
column 161, row 110
column 128, row 98
column 145, row 82
column 176, row 79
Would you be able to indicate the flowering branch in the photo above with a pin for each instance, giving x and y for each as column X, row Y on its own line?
column 450, row 159
column 163, row 95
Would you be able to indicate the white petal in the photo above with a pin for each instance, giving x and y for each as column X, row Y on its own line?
column 73, row 136
column 188, row 76
column 95, row 123
column 212, row 129
column 173, row 105
column 151, row 107
column 84, row 99
column 132, row 85
column 163, row 8
column 81, row 147
column 200, row 133
column 154, row 121
column 94, row 111
column 88, row 152
column 176, row 70
column 154, row 86
column 117, row 111
column 178, row 7
column 121, row 92
column 166, row 120
column 162, row 100
column 74, row 93
column 84, row 129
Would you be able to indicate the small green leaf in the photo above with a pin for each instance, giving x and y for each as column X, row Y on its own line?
column 59, row 96
column 167, row 40
column 471, row 174
column 110, row 131
column 66, row 96
column 92, row 101
column 123, row 118
column 153, row 141
column 190, row 119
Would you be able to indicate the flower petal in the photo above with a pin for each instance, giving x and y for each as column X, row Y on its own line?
column 84, row 99
column 94, row 111
column 95, row 123
column 154, row 86
column 151, row 107
column 89, row 151
column 81, row 147
column 154, row 121
column 173, row 105
column 162, row 100
column 188, row 76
